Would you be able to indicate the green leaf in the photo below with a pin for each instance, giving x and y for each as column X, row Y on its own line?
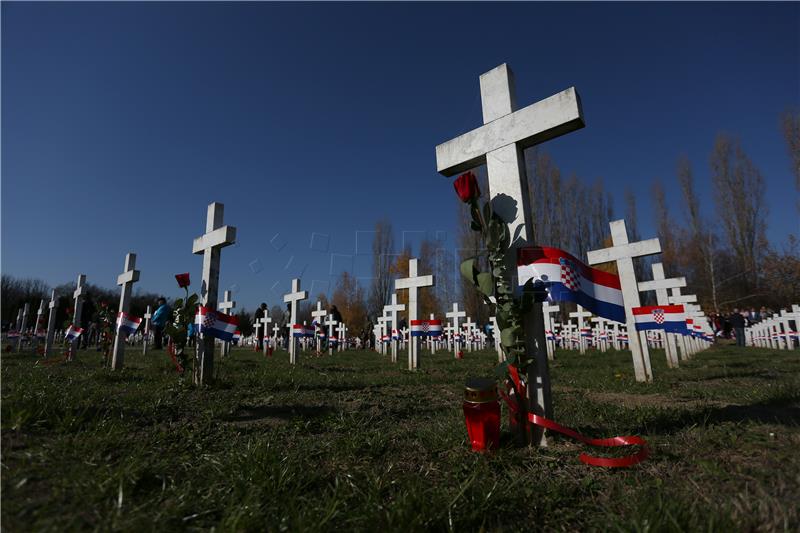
column 485, row 283
column 468, row 269
column 487, row 211
column 508, row 337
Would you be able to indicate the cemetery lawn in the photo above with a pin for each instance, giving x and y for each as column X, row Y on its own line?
column 353, row 443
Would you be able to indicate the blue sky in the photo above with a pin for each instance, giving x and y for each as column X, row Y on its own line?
column 122, row 121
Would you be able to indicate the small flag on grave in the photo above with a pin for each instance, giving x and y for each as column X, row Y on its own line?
column 73, row 333
column 671, row 318
column 434, row 328
column 567, row 279
column 127, row 324
column 419, row 328
column 298, row 330
column 237, row 336
column 216, row 324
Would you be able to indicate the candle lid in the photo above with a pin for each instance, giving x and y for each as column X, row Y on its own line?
column 480, row 390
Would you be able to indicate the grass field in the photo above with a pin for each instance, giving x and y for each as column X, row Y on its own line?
column 351, row 442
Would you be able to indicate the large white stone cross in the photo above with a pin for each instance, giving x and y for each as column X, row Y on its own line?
column 455, row 314
column 147, row 316
column 623, row 252
column 499, row 143
column 76, row 318
column 412, row 283
column 319, row 314
column 292, row 299
column 660, row 284
column 210, row 245
column 51, row 324
column 330, row 322
column 23, row 325
column 125, row 280
column 391, row 311
column 580, row 314
column 227, row 306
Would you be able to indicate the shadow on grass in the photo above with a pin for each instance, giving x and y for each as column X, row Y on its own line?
column 782, row 410
column 255, row 413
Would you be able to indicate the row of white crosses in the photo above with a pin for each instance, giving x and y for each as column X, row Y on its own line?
column 412, row 283
column 776, row 332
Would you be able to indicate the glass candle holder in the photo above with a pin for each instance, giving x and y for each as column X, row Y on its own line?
column 482, row 414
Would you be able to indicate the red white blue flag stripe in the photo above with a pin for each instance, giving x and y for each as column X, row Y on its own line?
column 567, row 279
column 127, row 324
column 216, row 324
column 73, row 333
column 671, row 318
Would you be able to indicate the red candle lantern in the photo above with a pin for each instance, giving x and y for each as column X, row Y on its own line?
column 482, row 414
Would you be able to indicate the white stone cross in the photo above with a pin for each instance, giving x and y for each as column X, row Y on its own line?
column 51, row 324
column 381, row 331
column 341, row 331
column 602, row 336
column 319, row 314
column 496, row 336
column 499, row 143
column 470, row 325
column 455, row 314
column 227, row 306
column 125, row 280
column 330, row 322
column 292, row 299
column 660, row 284
column 210, row 245
column 265, row 321
column 413, row 282
column 547, row 310
column 76, row 318
column 580, row 314
column 23, row 325
column 147, row 316
column 622, row 252
column 391, row 311
column 38, row 327
column 19, row 320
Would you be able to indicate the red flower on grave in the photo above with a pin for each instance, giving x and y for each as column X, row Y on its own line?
column 183, row 279
column 466, row 186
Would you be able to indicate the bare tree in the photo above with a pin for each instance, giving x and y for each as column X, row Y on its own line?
column 740, row 202
column 382, row 282
column 790, row 120
column 664, row 227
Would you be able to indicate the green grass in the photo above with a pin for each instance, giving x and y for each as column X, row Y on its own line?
column 352, row 442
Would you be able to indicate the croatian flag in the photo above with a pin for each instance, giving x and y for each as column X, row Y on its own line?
column 567, row 279
column 586, row 332
column 73, row 333
column 216, row 324
column 127, row 324
column 237, row 336
column 670, row 318
column 13, row 334
column 434, row 328
column 334, row 340
column 419, row 328
column 550, row 335
column 385, row 338
column 322, row 334
column 396, row 336
column 298, row 330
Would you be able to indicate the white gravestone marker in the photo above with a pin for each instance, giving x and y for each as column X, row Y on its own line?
column 455, row 314
column 622, row 252
column 330, row 322
column 660, row 285
column 37, row 328
column 580, row 314
column 391, row 311
column 147, row 316
column 125, row 280
column 547, row 310
column 292, row 299
column 23, row 325
column 51, row 324
column 318, row 314
column 341, row 331
column 265, row 321
column 500, row 143
column 76, row 318
column 413, row 282
column 226, row 306
column 210, row 245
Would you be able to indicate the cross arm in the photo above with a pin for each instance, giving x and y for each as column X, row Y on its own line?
column 224, row 236
column 658, row 284
column 128, row 277
column 537, row 123
column 408, row 283
column 624, row 251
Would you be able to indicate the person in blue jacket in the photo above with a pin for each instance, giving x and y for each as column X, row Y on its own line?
column 159, row 321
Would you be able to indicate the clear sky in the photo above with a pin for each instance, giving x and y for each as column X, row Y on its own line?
column 122, row 121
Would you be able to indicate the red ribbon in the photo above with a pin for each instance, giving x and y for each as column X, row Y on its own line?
column 610, row 462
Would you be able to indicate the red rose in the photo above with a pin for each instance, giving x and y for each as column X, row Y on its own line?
column 466, row 186
column 183, row 279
